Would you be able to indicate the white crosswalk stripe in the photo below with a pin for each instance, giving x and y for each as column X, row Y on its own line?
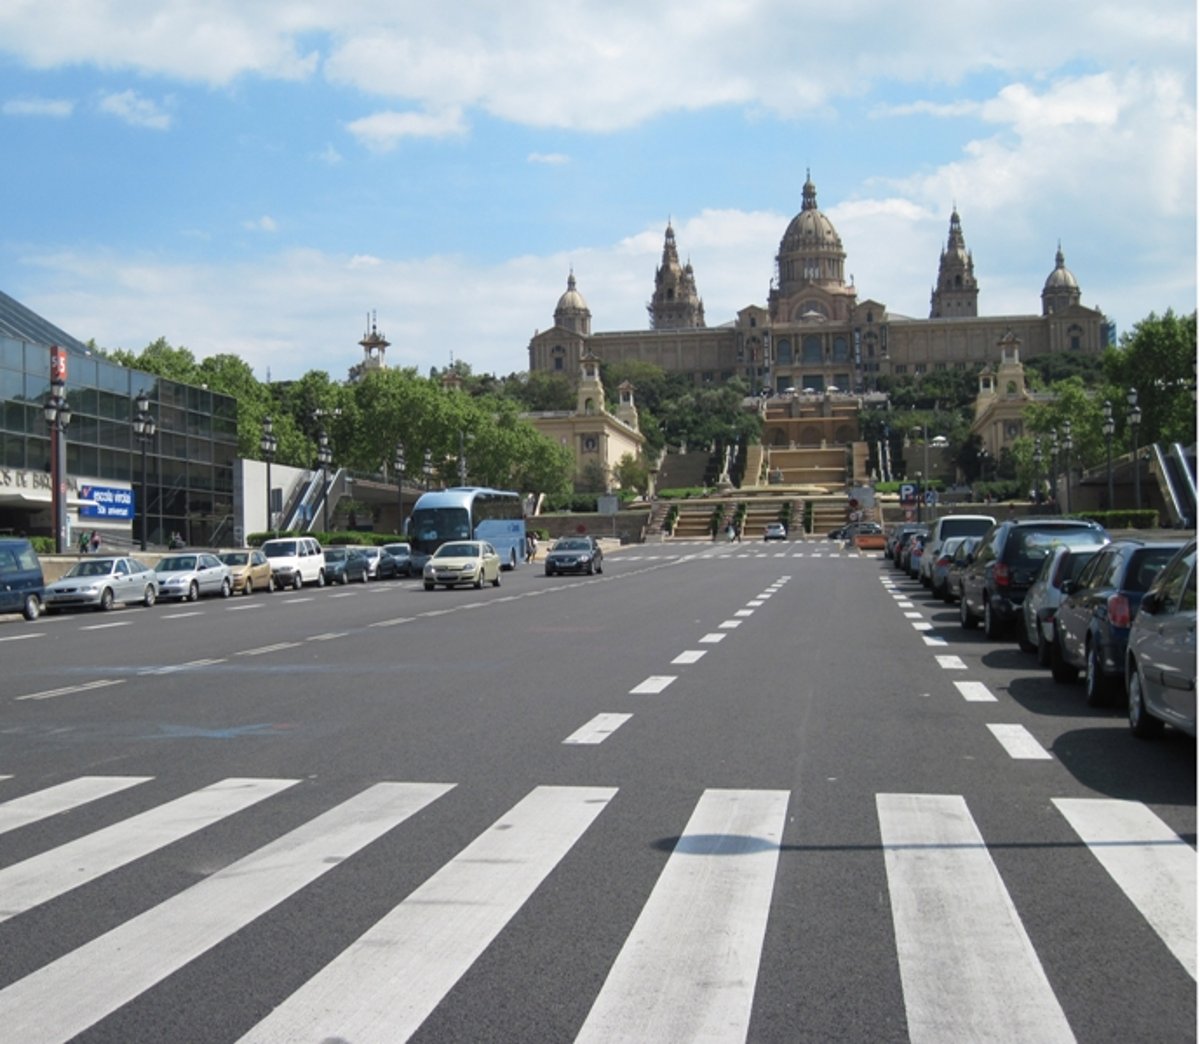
column 689, row 966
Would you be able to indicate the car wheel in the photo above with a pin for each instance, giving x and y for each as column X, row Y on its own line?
column 320, row 577
column 969, row 623
column 193, row 592
column 1141, row 722
column 106, row 600
column 148, row 596
column 226, row 588
column 1095, row 684
column 33, row 607
column 992, row 627
column 1023, row 637
column 1043, row 650
column 429, row 586
column 590, row 569
column 479, row 581
column 366, row 577
column 496, row 582
column 1062, row 671
column 549, row 571
column 599, row 567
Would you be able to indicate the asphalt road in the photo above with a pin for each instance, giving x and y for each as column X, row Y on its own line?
column 720, row 792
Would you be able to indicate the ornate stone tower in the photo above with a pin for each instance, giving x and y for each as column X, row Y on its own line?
column 1061, row 289
column 572, row 312
column 589, row 399
column 374, row 345
column 675, row 305
column 957, row 293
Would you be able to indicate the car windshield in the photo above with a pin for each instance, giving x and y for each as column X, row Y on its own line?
column 178, row 564
column 572, row 545
column 336, row 554
column 280, row 549
column 457, row 551
column 397, row 549
column 1032, row 545
column 92, row 567
column 235, row 558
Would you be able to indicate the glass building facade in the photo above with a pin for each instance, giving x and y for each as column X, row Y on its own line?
column 190, row 461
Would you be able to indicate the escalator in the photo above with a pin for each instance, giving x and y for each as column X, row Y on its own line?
column 1174, row 470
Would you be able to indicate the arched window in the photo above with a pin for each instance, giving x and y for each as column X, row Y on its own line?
column 1075, row 337
column 841, row 349
column 812, row 349
column 783, row 350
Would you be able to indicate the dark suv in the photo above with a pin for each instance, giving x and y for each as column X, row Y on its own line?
column 1006, row 563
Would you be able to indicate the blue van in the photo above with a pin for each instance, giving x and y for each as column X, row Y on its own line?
column 22, row 585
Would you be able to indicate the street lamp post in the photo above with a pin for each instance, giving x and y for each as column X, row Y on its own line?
column 427, row 467
column 1108, row 428
column 268, row 444
column 462, row 460
column 144, row 428
column 1037, row 468
column 1134, row 417
column 324, row 459
column 1067, row 444
column 399, row 463
column 1053, row 467
column 57, row 412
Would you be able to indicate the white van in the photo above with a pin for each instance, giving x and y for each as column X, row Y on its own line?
column 949, row 526
column 295, row 561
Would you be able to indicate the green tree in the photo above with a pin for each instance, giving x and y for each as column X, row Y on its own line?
column 1158, row 360
column 632, row 473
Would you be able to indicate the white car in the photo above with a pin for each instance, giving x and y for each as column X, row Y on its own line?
column 462, row 562
column 187, row 576
column 295, row 561
column 775, row 531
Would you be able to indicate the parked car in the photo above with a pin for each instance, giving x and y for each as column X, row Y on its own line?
column 940, row 531
column 775, row 531
column 295, row 561
column 462, row 562
column 910, row 554
column 380, row 565
column 188, row 576
column 249, row 570
column 22, row 583
column 900, row 540
column 99, row 583
column 940, row 571
column 1160, row 656
column 1036, row 632
column 1091, row 627
column 575, row 555
column 402, row 556
column 963, row 556
column 853, row 529
column 343, row 564
column 1006, row 562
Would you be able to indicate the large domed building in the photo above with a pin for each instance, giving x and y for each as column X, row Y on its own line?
column 814, row 331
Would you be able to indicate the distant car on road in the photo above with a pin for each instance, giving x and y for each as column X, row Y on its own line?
column 249, row 570
column 190, row 575
column 402, row 555
column 99, row 583
column 575, row 555
column 775, row 531
column 343, row 564
column 462, row 562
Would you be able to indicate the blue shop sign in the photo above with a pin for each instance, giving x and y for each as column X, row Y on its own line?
column 106, row 502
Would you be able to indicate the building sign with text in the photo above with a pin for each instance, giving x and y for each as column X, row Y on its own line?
column 115, row 502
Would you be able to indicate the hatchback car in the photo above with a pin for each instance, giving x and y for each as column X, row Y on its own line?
column 1035, row 633
column 249, row 570
column 964, row 555
column 402, row 556
column 775, row 531
column 22, row 584
column 343, row 564
column 380, row 565
column 1091, row 627
column 462, row 562
column 1160, row 657
column 295, row 561
column 575, row 555
column 898, row 537
column 1007, row 560
column 188, row 576
column 99, row 583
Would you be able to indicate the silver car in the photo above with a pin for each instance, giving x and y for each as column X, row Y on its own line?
column 1160, row 657
column 100, row 583
column 189, row 575
column 1035, row 632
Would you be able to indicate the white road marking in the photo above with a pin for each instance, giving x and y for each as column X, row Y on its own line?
column 598, row 729
column 385, row 985
column 652, row 685
column 61, row 797
column 967, row 967
column 1019, row 742
column 106, row 626
column 744, row 612
column 912, row 616
column 756, row 603
column 22, row 637
column 933, row 640
column 922, row 626
column 330, row 636
column 175, row 667
column 951, row 663
column 182, row 616
column 71, row 690
column 975, row 692
column 688, row 969
column 689, row 656
column 395, row 621
column 262, row 649
column 729, row 625
column 712, row 638
column 1152, row 865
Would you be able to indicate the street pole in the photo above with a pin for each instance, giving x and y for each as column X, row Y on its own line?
column 1135, row 419
column 324, row 457
column 1109, row 427
column 57, row 412
column 143, row 428
column 399, row 463
column 1067, row 444
column 268, row 444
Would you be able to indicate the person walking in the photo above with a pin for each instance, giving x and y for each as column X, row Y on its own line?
column 83, row 541
column 94, row 542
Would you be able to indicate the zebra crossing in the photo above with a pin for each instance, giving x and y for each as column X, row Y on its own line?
column 687, row 969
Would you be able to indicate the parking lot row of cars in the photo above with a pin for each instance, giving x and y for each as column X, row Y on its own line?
column 1120, row 611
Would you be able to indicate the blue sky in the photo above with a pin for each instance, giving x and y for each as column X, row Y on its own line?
column 257, row 178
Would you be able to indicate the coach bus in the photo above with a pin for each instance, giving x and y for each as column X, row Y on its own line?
column 468, row 513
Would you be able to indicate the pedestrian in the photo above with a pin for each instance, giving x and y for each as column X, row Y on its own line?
column 83, row 541
column 94, row 543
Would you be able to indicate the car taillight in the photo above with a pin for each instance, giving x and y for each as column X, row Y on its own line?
column 1118, row 611
column 944, row 560
column 1001, row 575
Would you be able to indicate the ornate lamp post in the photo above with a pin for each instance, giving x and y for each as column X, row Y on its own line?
column 427, row 467
column 399, row 463
column 1108, row 427
column 462, row 460
column 324, row 459
column 267, row 445
column 1037, row 466
column 1053, row 466
column 144, row 428
column 57, row 412
column 1067, row 444
column 1134, row 417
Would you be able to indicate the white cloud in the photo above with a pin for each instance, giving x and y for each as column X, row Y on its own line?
column 135, row 110
column 266, row 223
column 58, row 108
column 383, row 131
column 550, row 159
column 330, row 156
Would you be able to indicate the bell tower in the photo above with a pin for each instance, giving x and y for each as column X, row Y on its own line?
column 957, row 293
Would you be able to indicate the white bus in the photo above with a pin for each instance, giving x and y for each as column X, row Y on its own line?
column 468, row 513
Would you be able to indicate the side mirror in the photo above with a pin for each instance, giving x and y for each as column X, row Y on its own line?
column 1151, row 602
column 1069, row 587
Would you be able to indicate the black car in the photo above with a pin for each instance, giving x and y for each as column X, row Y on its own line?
column 575, row 555
column 402, row 556
column 1007, row 561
